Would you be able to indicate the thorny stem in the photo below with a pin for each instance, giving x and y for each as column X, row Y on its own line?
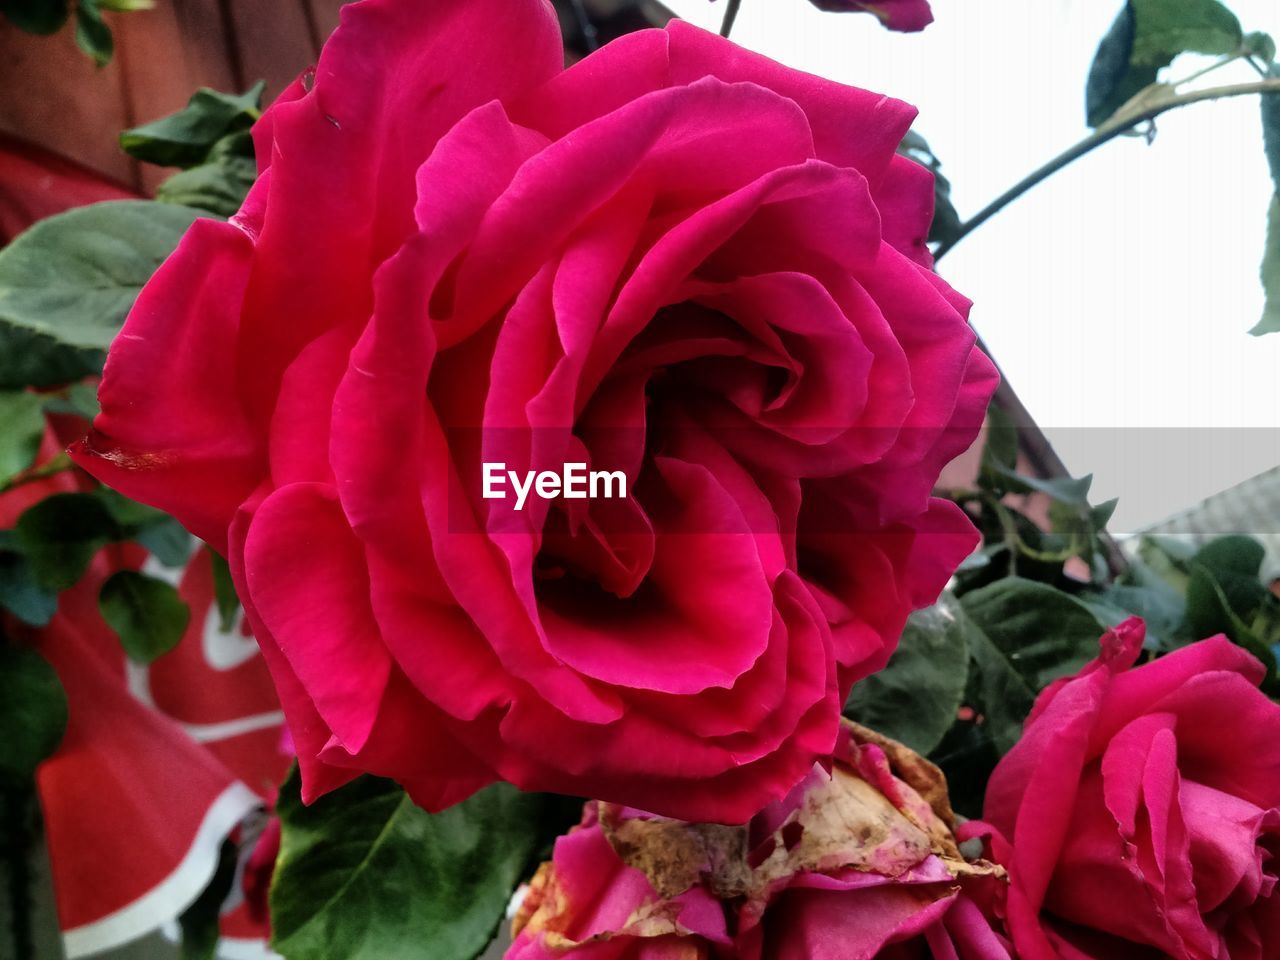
column 1104, row 134
column 730, row 15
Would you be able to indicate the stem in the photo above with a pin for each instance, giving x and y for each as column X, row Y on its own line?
column 56, row 465
column 590, row 35
column 730, row 15
column 1104, row 134
column 1229, row 58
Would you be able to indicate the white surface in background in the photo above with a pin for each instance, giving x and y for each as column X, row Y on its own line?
column 1116, row 295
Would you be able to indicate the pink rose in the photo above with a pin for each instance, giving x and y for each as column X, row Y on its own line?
column 905, row 15
column 677, row 260
column 1143, row 808
column 853, row 865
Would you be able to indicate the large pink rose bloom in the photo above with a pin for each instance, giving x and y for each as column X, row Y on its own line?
column 677, row 260
column 853, row 865
column 1143, row 809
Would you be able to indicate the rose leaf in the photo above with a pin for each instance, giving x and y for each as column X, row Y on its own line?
column 364, row 874
column 914, row 699
column 33, row 712
column 73, row 277
column 147, row 614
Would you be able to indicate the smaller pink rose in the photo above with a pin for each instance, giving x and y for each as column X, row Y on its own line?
column 1139, row 815
column 855, row 863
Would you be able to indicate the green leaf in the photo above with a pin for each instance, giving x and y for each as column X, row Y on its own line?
column 42, row 17
column 1026, row 635
column 162, row 535
column 224, row 591
column 1000, row 452
column 1232, row 554
column 79, row 400
column 185, row 138
column 21, row 595
column 219, row 186
column 1217, row 605
column 146, row 613
column 1000, row 693
column 364, row 874
column 1073, row 491
column 74, row 276
column 1144, row 38
column 22, row 416
column 1270, row 273
column 92, row 35
column 33, row 712
column 31, row 359
column 60, row 534
column 1261, row 45
column 914, row 699
column 1151, row 598
column 167, row 541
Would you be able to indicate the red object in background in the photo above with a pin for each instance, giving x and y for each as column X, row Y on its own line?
column 35, row 183
column 160, row 763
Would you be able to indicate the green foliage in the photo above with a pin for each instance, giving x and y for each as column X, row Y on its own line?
column 33, row 713
column 29, row 358
column 946, row 222
column 1260, row 45
column 914, row 699
column 185, row 139
column 364, row 874
column 59, row 536
column 93, row 36
column 74, row 276
column 1270, row 270
column 163, row 536
column 20, row 593
column 76, row 399
column 1225, row 595
column 209, row 139
column 219, row 186
column 224, row 591
column 22, row 414
column 54, row 541
column 145, row 612
column 1013, row 543
column 1145, row 38
column 43, row 17
column 1031, row 634
column 47, row 17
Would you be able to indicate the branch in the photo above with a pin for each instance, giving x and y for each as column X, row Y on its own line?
column 1104, row 134
column 730, row 15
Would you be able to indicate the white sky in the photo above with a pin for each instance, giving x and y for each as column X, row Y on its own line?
column 1117, row 296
